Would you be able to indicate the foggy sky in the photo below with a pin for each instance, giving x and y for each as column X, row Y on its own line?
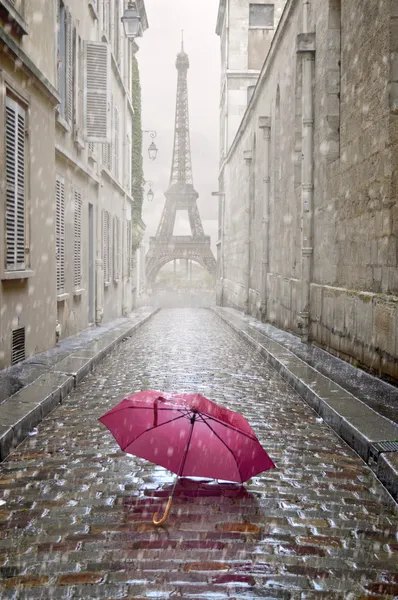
column 156, row 57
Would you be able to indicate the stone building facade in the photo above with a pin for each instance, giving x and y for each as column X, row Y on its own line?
column 65, row 256
column 308, row 186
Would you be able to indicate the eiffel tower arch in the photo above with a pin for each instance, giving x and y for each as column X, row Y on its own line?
column 181, row 195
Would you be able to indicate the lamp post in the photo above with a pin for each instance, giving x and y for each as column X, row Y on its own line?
column 152, row 150
column 132, row 21
column 150, row 195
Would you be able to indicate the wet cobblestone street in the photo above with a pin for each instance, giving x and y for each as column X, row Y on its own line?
column 75, row 511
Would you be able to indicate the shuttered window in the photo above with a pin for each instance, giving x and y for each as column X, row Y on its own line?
column 116, row 143
column 128, row 165
column 97, row 92
column 106, row 18
column 15, row 163
column 116, row 248
column 106, row 245
column 77, row 223
column 116, row 31
column 128, row 253
column 60, row 232
column 65, row 61
column 78, row 83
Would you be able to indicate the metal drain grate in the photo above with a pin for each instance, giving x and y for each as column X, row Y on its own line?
column 386, row 446
column 18, row 345
column 379, row 447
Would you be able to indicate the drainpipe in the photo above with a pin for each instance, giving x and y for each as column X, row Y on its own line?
column 247, row 155
column 265, row 125
column 306, row 47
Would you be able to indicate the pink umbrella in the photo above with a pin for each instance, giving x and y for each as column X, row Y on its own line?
column 189, row 435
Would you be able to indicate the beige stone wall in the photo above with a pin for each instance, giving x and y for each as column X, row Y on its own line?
column 354, row 288
column 56, row 147
column 30, row 301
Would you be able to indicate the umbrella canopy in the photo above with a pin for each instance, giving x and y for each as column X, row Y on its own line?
column 189, row 435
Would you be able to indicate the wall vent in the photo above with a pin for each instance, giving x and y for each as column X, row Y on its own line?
column 18, row 345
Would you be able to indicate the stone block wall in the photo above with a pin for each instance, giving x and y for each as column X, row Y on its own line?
column 354, row 278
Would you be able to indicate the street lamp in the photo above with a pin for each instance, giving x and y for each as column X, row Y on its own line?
column 132, row 21
column 150, row 195
column 152, row 150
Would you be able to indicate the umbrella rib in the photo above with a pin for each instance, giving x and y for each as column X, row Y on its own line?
column 150, row 429
column 233, row 428
column 227, row 447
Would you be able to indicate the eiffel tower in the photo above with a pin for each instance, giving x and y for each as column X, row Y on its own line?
column 181, row 195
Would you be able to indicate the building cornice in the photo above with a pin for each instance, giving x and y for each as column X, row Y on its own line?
column 40, row 80
column 289, row 7
column 248, row 74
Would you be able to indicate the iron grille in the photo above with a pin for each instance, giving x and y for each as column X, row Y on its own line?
column 18, row 345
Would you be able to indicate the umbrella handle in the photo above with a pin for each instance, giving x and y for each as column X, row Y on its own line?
column 166, row 514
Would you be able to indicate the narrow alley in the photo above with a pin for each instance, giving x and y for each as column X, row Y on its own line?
column 76, row 512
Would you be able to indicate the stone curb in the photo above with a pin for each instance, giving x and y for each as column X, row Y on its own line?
column 24, row 410
column 357, row 424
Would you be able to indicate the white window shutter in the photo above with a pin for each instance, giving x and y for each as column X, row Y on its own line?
column 77, row 260
column 97, row 62
column 77, row 91
column 116, row 143
column 116, row 249
column 105, row 245
column 69, row 68
column 111, row 242
column 15, row 162
column 128, row 236
column 60, row 233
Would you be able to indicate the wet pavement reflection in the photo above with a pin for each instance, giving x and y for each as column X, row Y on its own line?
column 76, row 512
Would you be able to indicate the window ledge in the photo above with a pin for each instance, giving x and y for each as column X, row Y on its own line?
column 218, row 243
column 268, row 27
column 62, row 297
column 92, row 155
column 116, row 280
column 107, row 284
column 8, row 275
column 78, row 292
column 62, row 122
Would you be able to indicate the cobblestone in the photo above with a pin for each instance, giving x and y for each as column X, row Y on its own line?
column 75, row 512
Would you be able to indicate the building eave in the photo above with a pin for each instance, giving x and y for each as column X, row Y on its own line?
column 220, row 16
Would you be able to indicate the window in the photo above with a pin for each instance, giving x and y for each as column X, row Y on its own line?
column 128, row 165
column 261, row 15
column 97, row 92
column 106, row 254
column 60, row 233
column 116, row 248
column 77, row 223
column 116, row 143
column 65, row 61
column 15, row 180
column 106, row 18
column 128, row 254
column 116, row 31
column 78, row 83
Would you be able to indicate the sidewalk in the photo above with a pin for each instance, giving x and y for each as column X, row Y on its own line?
column 360, row 408
column 33, row 388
